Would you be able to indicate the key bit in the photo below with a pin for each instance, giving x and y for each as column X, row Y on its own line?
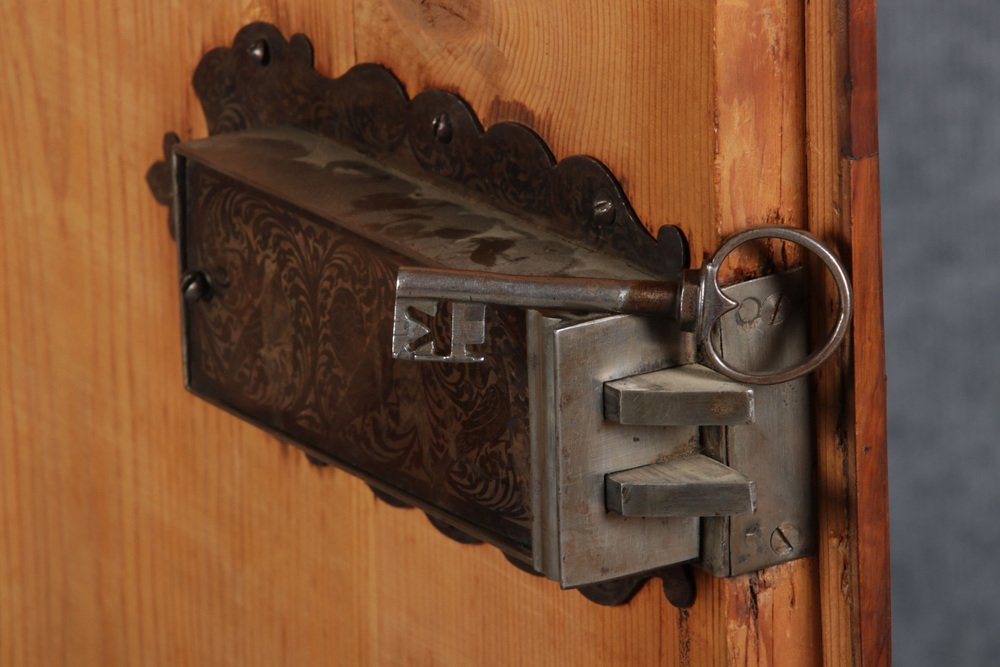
column 468, row 327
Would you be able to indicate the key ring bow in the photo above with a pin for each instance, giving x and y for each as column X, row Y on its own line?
column 712, row 303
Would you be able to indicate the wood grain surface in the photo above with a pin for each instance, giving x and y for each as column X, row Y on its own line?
column 849, row 405
column 141, row 526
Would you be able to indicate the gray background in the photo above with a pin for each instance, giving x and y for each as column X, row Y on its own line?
column 939, row 81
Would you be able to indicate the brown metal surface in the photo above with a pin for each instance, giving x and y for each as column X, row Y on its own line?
column 295, row 336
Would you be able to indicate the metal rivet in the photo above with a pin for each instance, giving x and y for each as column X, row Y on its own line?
column 749, row 311
column 442, row 128
column 604, row 212
column 260, row 52
column 194, row 286
column 784, row 539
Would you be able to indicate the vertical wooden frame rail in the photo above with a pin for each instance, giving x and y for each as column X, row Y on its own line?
column 842, row 141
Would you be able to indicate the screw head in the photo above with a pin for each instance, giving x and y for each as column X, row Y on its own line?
column 785, row 539
column 604, row 211
column 775, row 309
column 194, row 286
column 442, row 128
column 260, row 52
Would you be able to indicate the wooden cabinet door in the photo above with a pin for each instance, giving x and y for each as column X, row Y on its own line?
column 141, row 526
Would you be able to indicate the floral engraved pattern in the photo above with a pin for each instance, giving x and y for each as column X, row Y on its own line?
column 297, row 335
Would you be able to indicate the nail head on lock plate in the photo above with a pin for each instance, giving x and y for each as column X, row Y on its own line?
column 604, row 211
column 195, row 286
column 442, row 128
column 260, row 52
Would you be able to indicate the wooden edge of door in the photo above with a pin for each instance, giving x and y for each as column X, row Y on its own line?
column 843, row 204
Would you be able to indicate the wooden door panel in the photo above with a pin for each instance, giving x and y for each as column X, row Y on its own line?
column 139, row 525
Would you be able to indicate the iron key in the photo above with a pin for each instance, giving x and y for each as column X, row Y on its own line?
column 696, row 301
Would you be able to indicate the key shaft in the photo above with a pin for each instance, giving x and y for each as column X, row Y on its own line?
column 596, row 295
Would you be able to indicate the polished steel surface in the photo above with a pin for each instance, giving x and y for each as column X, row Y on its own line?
column 597, row 295
column 691, row 394
column 577, row 541
column 694, row 485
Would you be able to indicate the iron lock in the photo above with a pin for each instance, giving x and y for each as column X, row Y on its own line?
column 589, row 446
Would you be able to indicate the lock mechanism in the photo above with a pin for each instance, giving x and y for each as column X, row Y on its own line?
column 593, row 409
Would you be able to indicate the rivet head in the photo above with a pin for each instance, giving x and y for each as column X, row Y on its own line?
column 442, row 128
column 194, row 286
column 260, row 52
column 604, row 211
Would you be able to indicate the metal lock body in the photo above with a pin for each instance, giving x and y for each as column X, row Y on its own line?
column 293, row 332
column 588, row 447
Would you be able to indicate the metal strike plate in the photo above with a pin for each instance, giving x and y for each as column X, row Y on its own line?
column 768, row 330
column 691, row 394
column 590, row 449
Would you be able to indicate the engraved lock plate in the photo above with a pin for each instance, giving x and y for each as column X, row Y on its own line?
column 295, row 241
column 295, row 334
